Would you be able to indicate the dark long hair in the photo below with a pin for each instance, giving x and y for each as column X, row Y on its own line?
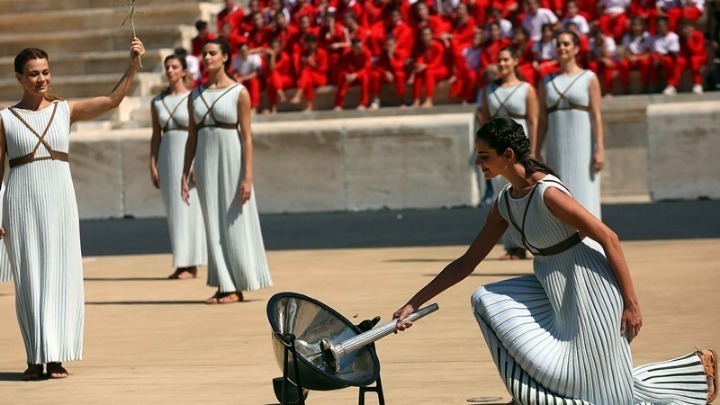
column 515, row 53
column 224, row 48
column 501, row 133
column 27, row 55
column 183, row 64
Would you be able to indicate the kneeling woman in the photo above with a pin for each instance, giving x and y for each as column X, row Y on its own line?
column 41, row 215
column 563, row 333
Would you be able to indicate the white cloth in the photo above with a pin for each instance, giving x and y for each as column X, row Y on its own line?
column 244, row 67
column 5, row 270
column 615, row 6
column 569, row 143
column 236, row 252
column 544, row 50
column 579, row 20
column 506, row 27
column 637, row 45
column 193, row 67
column 668, row 4
column 43, row 238
column 533, row 23
column 664, row 45
column 555, row 335
column 185, row 223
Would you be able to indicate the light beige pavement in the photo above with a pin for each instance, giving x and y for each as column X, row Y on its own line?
column 154, row 341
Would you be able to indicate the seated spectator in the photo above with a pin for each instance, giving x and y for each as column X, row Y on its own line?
column 665, row 50
column 295, row 43
column 312, row 66
column 510, row 9
column 193, row 65
column 402, row 32
column 675, row 10
column 428, row 69
column 231, row 14
column 376, row 13
column 355, row 30
column 645, row 9
column 342, row 7
column 463, row 28
column 556, row 6
column 693, row 56
column 588, row 9
column 259, row 36
column 248, row 22
column 584, row 47
column 389, row 68
column 281, row 29
column 573, row 16
column 603, row 58
column 334, row 39
column 354, row 68
column 505, row 25
column 275, row 7
column 544, row 53
column 278, row 74
column 613, row 19
column 203, row 36
column 422, row 18
column 302, row 8
column 636, row 45
column 232, row 38
column 492, row 47
column 521, row 42
column 536, row 18
column 471, row 58
column 246, row 70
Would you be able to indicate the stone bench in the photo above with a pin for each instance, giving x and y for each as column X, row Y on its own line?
column 81, row 86
column 23, row 6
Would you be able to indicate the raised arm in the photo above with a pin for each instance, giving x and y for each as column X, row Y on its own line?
column 542, row 125
column 83, row 110
column 532, row 118
column 244, row 107
column 460, row 268
column 598, row 159
column 566, row 209
column 190, row 146
column 154, row 146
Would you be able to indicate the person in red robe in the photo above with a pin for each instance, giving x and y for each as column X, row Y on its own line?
column 203, row 36
column 334, row 39
column 390, row 68
column 429, row 68
column 278, row 73
column 354, row 68
column 312, row 67
column 231, row 14
column 692, row 57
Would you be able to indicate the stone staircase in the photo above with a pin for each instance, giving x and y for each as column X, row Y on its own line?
column 89, row 48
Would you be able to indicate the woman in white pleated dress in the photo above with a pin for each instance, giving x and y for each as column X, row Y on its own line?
column 571, row 120
column 167, row 155
column 561, row 335
column 40, row 221
column 510, row 97
column 220, row 142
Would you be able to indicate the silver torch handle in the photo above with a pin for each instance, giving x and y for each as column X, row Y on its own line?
column 364, row 339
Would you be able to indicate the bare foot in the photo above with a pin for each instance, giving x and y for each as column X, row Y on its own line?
column 56, row 371
column 428, row 103
column 452, row 79
column 337, row 108
column 361, row 107
column 34, row 372
column 297, row 98
column 415, row 103
column 230, row 298
column 281, row 96
column 507, row 256
column 273, row 110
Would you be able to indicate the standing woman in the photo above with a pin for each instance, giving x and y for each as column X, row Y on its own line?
column 167, row 155
column 514, row 98
column 220, row 141
column 570, row 116
column 41, row 216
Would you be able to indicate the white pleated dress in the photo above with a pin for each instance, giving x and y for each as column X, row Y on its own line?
column 509, row 102
column 185, row 223
column 5, row 271
column 43, row 237
column 569, row 141
column 236, row 252
column 555, row 335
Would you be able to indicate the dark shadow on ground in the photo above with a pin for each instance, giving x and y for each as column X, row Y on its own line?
column 188, row 302
column 126, row 279
column 443, row 227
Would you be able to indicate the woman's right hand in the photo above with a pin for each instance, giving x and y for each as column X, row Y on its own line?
column 185, row 190
column 154, row 177
column 400, row 316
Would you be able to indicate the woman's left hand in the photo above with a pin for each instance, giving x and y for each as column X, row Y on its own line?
column 137, row 50
column 631, row 321
column 2, row 232
column 245, row 190
column 598, row 160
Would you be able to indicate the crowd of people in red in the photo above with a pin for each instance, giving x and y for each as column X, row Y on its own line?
column 304, row 44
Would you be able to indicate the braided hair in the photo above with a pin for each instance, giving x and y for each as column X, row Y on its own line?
column 501, row 133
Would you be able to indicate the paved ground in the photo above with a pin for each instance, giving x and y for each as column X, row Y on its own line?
column 152, row 341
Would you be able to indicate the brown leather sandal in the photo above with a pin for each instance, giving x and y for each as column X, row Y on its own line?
column 34, row 372
column 709, row 360
column 55, row 370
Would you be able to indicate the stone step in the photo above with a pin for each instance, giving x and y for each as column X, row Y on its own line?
column 112, row 39
column 24, row 6
column 89, row 63
column 101, row 18
column 81, row 86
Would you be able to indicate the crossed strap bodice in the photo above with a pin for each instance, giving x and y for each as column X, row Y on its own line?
column 171, row 116
column 563, row 96
column 30, row 157
column 216, row 123
column 503, row 104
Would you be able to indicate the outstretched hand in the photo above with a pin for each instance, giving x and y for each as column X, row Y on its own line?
column 631, row 321
column 400, row 316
